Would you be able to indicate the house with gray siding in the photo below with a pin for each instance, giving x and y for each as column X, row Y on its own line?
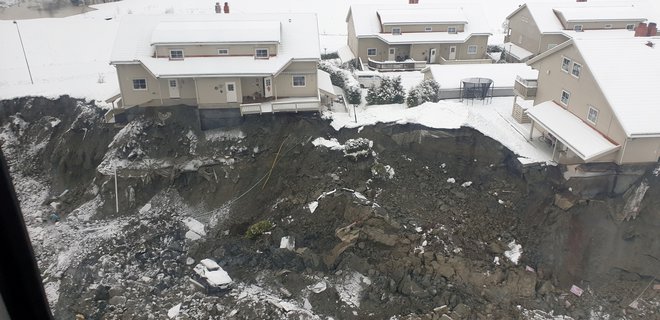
column 410, row 36
column 225, row 65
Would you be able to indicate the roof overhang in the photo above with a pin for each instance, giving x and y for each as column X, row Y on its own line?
column 582, row 139
column 214, row 43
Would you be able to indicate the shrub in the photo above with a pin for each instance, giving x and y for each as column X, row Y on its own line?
column 258, row 229
column 427, row 90
column 331, row 55
column 390, row 91
column 345, row 80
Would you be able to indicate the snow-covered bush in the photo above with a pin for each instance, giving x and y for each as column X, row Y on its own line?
column 344, row 79
column 390, row 91
column 427, row 90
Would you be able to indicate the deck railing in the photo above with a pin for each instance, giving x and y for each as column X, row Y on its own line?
column 525, row 88
column 408, row 65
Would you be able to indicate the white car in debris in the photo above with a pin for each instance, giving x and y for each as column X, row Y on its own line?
column 212, row 275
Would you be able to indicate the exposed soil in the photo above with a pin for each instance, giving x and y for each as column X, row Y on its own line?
column 404, row 222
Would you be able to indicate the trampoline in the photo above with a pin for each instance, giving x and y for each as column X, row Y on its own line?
column 476, row 88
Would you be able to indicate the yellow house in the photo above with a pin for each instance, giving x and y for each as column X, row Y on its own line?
column 595, row 104
column 225, row 65
column 536, row 27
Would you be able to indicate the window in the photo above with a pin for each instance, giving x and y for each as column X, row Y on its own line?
column 428, row 29
column 565, row 64
column 608, row 26
column 261, row 53
column 451, row 29
column 472, row 49
column 630, row 27
column 371, row 51
column 577, row 27
column 176, row 54
column 396, row 31
column 592, row 115
column 223, row 52
column 565, row 96
column 298, row 81
column 576, row 69
column 139, row 84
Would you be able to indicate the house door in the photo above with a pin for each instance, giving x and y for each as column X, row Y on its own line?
column 231, row 91
column 432, row 53
column 268, row 87
column 391, row 54
column 173, row 84
column 452, row 52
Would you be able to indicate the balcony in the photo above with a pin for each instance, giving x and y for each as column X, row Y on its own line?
column 407, row 65
column 302, row 104
column 525, row 88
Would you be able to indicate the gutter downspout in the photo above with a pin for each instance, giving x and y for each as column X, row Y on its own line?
column 623, row 151
column 196, row 92
column 160, row 91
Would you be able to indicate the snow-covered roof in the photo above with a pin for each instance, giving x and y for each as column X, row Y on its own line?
column 582, row 139
column 298, row 40
column 502, row 74
column 543, row 13
column 630, row 85
column 368, row 25
column 174, row 32
column 214, row 66
column 345, row 54
column 325, row 84
column 614, row 13
column 417, row 16
column 516, row 51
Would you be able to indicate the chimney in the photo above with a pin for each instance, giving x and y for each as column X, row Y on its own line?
column 641, row 30
column 226, row 7
column 653, row 29
column 218, row 8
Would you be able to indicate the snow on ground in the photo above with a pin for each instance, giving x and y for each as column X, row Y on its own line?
column 492, row 119
column 514, row 252
column 71, row 55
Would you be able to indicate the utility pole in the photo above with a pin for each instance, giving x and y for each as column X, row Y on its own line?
column 354, row 112
column 116, row 192
column 24, row 55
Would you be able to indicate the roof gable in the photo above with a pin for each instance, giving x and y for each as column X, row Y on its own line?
column 216, row 32
column 422, row 16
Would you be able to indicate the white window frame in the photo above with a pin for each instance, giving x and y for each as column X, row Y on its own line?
column 396, row 31
column 172, row 57
column 630, row 27
column 257, row 56
column 578, row 28
column 592, row 108
column 579, row 70
column 449, row 30
column 375, row 52
column 568, row 65
column 472, row 49
column 428, row 29
column 568, row 97
column 140, row 89
column 293, row 81
column 226, row 52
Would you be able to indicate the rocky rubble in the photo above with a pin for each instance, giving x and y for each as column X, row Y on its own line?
column 390, row 222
